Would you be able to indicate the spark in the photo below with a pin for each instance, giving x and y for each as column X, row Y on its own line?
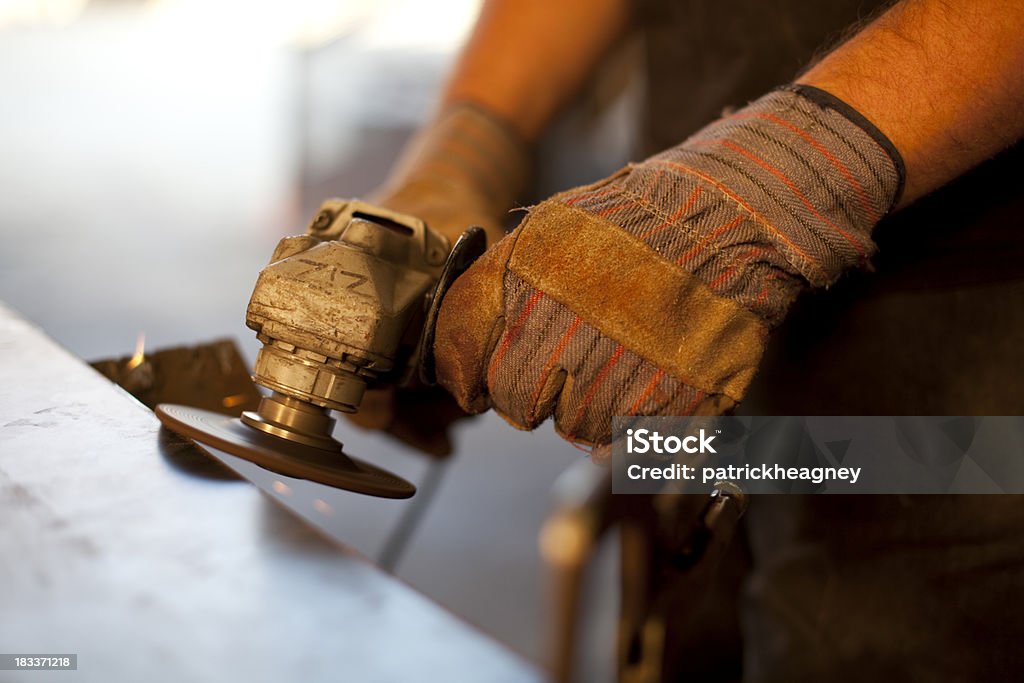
column 233, row 400
column 140, row 352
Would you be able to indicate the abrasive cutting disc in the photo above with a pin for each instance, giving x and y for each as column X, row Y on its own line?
column 329, row 467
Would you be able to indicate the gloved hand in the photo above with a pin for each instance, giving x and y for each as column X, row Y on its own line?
column 653, row 291
column 465, row 168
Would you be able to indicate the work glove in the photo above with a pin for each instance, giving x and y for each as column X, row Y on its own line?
column 653, row 292
column 464, row 169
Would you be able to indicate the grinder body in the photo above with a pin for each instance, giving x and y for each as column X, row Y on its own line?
column 349, row 305
column 339, row 308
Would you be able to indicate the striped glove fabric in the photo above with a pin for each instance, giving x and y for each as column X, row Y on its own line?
column 653, row 292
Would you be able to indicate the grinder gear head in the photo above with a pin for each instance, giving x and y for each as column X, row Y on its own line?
column 349, row 304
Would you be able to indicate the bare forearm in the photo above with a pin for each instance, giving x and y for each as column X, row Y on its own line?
column 943, row 80
column 527, row 58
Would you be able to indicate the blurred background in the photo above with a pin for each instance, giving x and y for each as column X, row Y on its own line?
column 153, row 152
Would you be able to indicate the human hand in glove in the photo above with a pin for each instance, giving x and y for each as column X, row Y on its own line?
column 462, row 170
column 653, row 291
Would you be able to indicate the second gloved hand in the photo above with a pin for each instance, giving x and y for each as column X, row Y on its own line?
column 464, row 168
column 653, row 292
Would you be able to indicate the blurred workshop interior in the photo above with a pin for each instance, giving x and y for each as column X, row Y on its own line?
column 154, row 151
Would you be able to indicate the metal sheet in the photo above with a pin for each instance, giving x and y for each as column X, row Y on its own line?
column 123, row 545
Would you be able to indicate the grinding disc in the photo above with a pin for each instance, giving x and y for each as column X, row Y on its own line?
column 329, row 467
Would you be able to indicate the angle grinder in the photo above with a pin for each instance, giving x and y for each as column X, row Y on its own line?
column 350, row 304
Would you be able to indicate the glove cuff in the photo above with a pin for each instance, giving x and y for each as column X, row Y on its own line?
column 827, row 100
column 466, row 149
column 813, row 174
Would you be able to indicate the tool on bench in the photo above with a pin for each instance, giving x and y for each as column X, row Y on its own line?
column 349, row 305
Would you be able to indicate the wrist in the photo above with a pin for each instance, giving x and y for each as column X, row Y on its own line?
column 467, row 160
column 827, row 100
column 813, row 176
column 447, row 207
column 781, row 195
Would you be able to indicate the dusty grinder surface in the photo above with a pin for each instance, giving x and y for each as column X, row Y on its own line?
column 325, row 464
column 293, row 437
